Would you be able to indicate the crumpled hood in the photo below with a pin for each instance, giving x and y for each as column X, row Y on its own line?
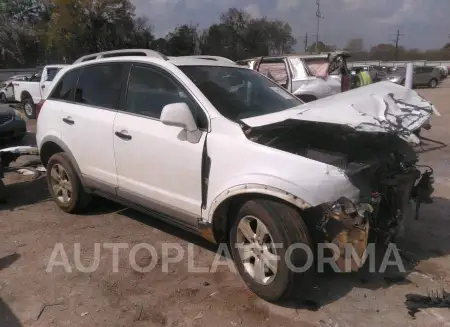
column 379, row 107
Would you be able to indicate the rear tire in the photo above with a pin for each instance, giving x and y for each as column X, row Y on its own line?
column 3, row 98
column 433, row 83
column 285, row 227
column 29, row 108
column 64, row 184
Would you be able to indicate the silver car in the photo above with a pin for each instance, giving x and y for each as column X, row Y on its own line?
column 306, row 76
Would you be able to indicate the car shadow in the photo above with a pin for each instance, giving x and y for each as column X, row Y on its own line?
column 426, row 238
column 7, row 317
column 329, row 286
column 103, row 206
column 25, row 193
column 8, row 260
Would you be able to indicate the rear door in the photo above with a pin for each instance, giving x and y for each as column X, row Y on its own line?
column 87, row 122
column 277, row 69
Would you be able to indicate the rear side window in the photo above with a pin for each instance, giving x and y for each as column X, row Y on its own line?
column 276, row 71
column 100, row 85
column 65, row 88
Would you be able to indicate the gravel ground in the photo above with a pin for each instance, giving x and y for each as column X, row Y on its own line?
column 31, row 225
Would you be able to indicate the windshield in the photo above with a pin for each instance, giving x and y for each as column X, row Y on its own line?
column 239, row 93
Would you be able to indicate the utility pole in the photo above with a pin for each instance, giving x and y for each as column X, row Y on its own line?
column 396, row 41
column 306, row 42
column 319, row 17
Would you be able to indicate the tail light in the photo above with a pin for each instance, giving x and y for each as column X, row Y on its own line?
column 39, row 107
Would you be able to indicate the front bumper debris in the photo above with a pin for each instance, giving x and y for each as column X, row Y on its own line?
column 346, row 226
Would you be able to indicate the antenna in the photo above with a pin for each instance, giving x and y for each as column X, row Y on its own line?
column 319, row 17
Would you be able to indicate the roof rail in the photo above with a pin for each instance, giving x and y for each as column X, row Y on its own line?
column 206, row 57
column 122, row 53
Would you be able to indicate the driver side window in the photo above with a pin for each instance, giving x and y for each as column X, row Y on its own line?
column 149, row 90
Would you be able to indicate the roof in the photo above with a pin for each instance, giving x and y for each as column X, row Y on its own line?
column 177, row 61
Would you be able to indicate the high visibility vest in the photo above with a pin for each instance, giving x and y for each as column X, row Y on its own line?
column 364, row 78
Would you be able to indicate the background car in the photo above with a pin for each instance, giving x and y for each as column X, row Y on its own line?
column 423, row 76
column 7, row 88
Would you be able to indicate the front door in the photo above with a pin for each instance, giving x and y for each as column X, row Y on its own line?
column 157, row 167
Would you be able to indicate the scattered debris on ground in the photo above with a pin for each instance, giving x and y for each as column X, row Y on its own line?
column 416, row 302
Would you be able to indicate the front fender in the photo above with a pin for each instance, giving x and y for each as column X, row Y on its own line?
column 260, row 184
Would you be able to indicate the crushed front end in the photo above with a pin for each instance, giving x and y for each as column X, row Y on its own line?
column 382, row 166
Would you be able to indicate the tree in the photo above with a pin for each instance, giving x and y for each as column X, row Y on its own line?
column 183, row 41
column 239, row 36
column 85, row 26
column 160, row 45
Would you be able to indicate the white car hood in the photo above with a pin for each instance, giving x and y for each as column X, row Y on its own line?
column 379, row 107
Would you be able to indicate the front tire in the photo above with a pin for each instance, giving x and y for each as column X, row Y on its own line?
column 260, row 237
column 433, row 83
column 29, row 108
column 64, row 184
column 3, row 98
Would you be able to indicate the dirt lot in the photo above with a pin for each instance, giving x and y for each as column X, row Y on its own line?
column 31, row 225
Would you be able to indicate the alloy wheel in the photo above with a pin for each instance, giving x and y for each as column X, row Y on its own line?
column 257, row 250
column 61, row 184
column 28, row 109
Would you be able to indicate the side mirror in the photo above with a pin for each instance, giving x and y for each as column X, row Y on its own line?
column 178, row 114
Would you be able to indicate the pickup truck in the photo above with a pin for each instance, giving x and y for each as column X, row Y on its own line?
column 31, row 91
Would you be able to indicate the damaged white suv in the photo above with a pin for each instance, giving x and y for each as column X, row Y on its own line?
column 223, row 151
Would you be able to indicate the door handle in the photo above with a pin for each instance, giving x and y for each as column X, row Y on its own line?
column 123, row 135
column 43, row 87
column 68, row 120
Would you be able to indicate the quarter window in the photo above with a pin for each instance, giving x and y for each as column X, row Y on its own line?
column 65, row 88
column 150, row 90
column 100, row 85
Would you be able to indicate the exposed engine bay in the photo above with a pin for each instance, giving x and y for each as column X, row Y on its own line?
column 381, row 165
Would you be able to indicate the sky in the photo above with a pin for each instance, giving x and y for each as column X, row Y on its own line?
column 425, row 24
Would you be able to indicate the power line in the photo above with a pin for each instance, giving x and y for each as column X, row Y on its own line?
column 319, row 17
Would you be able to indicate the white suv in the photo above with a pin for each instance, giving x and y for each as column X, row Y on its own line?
column 223, row 151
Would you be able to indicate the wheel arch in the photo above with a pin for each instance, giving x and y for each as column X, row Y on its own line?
column 25, row 95
column 51, row 145
column 226, row 205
